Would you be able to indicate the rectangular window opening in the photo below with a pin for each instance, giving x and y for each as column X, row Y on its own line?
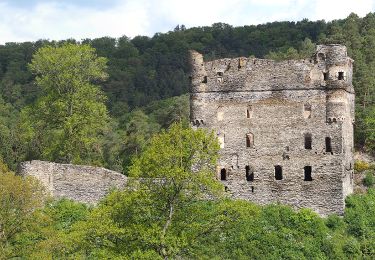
column 223, row 174
column 325, row 75
column 278, row 172
column 204, row 79
column 249, row 173
column 308, row 141
column 341, row 75
column 328, row 145
column 307, row 171
column 249, row 140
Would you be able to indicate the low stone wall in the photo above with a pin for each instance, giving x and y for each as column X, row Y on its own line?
column 81, row 183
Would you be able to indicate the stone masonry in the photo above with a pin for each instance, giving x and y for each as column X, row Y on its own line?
column 285, row 128
column 85, row 184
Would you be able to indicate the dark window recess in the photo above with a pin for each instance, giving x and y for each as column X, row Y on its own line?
column 252, row 188
column 220, row 74
column 204, row 79
column 278, row 172
column 308, row 141
column 341, row 75
column 325, row 75
column 247, row 113
column 328, row 145
column 307, row 170
column 223, row 174
column 249, row 173
column 249, row 140
column 226, row 188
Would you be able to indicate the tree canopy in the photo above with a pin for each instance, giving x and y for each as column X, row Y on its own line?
column 66, row 119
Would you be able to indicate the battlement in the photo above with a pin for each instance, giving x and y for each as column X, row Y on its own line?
column 285, row 128
column 329, row 67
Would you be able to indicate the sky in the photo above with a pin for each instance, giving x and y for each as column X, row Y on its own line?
column 30, row 20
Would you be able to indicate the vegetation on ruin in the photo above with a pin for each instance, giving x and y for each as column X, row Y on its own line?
column 148, row 79
column 145, row 93
column 170, row 218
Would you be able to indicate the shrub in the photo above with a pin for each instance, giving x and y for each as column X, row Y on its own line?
column 360, row 166
column 369, row 179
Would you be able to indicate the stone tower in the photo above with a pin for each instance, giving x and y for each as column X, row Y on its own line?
column 285, row 128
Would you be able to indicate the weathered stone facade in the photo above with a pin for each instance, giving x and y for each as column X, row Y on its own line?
column 85, row 184
column 285, row 128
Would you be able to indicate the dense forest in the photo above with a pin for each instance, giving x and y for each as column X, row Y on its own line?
column 148, row 79
column 123, row 104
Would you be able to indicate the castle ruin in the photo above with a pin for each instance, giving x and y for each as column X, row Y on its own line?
column 285, row 128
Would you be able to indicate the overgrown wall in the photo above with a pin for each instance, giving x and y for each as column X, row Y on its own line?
column 81, row 183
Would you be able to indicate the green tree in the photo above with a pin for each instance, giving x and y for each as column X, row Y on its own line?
column 65, row 122
column 177, row 170
column 19, row 199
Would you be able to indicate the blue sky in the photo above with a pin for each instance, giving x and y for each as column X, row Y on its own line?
column 30, row 20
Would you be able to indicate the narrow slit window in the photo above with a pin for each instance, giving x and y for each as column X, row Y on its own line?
column 249, row 112
column 308, row 141
column 307, row 171
column 278, row 172
column 325, row 75
column 341, row 75
column 328, row 145
column 249, row 173
column 249, row 140
column 223, row 174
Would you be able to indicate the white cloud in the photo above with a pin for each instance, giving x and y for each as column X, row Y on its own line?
column 56, row 20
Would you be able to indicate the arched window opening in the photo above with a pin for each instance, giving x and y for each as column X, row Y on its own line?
column 249, row 173
column 307, row 171
column 328, row 145
column 249, row 140
column 278, row 172
column 223, row 174
column 308, row 141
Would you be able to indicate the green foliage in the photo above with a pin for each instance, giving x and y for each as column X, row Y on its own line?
column 360, row 218
column 360, row 166
column 369, row 179
column 64, row 123
column 19, row 199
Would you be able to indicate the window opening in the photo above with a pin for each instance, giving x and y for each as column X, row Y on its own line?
column 278, row 172
column 308, row 141
column 307, row 171
column 223, row 174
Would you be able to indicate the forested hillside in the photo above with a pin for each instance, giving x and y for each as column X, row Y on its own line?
column 143, row 70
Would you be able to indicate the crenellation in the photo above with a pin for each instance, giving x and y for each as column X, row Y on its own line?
column 262, row 111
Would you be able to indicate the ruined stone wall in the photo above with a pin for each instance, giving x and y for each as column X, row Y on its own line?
column 85, row 184
column 262, row 110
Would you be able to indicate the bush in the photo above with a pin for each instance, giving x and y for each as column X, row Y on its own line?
column 369, row 179
column 360, row 166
